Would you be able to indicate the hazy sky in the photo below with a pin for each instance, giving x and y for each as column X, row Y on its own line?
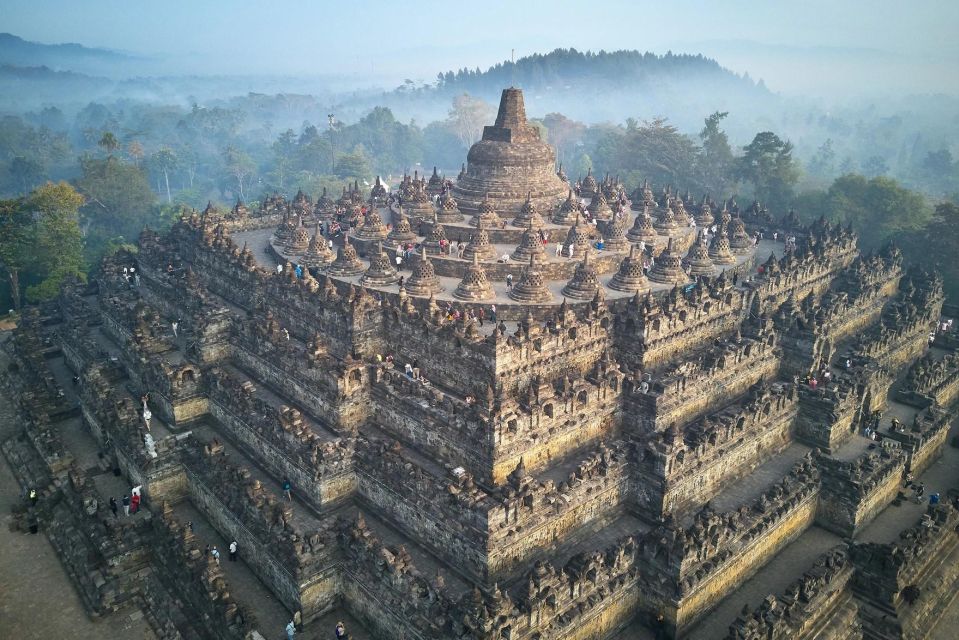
column 416, row 39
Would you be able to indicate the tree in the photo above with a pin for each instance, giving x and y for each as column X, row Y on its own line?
column 108, row 142
column 654, row 150
column 564, row 134
column 283, row 149
column 240, row 167
column 353, row 165
column 939, row 238
column 136, row 152
column 15, row 240
column 768, row 165
column 823, row 162
column 468, row 117
column 875, row 166
column 119, row 201
column 165, row 161
column 26, row 172
column 716, row 159
column 58, row 246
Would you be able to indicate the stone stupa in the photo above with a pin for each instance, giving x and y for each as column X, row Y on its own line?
column 347, row 263
column 719, row 250
column 401, row 233
column 529, row 245
column 423, row 280
column 584, row 284
column 642, row 229
column 509, row 163
column 435, row 240
column 739, row 240
column 381, row 273
column 630, row 276
column 479, row 244
column 567, row 211
column 668, row 267
column 448, row 211
column 614, row 234
column 531, row 286
column 474, row 285
column 317, row 253
column 704, row 217
column 599, row 207
column 372, row 229
column 528, row 215
column 577, row 237
column 697, row 262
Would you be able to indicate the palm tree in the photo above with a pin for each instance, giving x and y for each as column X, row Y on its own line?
column 109, row 142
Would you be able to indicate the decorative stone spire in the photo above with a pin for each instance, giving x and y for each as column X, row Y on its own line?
column 719, row 250
column 347, row 263
column 433, row 243
column 530, row 244
column 317, row 254
column 487, row 214
column 642, row 197
column 474, row 285
column 588, row 187
column 378, row 193
column 435, row 185
column 531, row 286
column 642, row 230
column 479, row 244
column 667, row 225
column 697, row 260
column 614, row 234
column 599, row 207
column 528, row 215
column 569, row 210
column 630, row 276
column 401, row 232
column 704, row 217
column 739, row 240
column 239, row 210
column 299, row 239
column 584, row 284
column 679, row 211
column 381, row 273
column 578, row 237
column 423, row 280
column 448, row 210
column 668, row 267
column 373, row 228
column 724, row 216
column 284, row 232
column 325, row 206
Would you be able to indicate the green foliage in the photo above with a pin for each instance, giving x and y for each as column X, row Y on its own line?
column 56, row 246
column 654, row 150
column 939, row 242
column 880, row 209
column 768, row 166
column 716, row 162
column 119, row 199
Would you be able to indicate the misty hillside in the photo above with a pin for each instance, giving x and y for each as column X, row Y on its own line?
column 18, row 52
column 683, row 87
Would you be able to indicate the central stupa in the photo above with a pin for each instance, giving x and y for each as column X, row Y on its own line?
column 509, row 164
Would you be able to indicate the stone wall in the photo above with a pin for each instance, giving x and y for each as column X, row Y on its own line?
column 853, row 493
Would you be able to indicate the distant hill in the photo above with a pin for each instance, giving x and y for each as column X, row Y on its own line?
column 18, row 52
column 597, row 86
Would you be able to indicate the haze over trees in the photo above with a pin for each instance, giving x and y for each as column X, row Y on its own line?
column 679, row 120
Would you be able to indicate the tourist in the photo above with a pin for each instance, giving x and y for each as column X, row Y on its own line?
column 279, row 268
column 113, row 506
column 286, row 333
column 416, row 369
column 492, row 313
column 134, row 503
column 570, row 250
column 136, row 279
column 934, row 498
column 233, row 551
column 340, row 631
column 290, row 630
column 509, row 281
column 481, row 315
column 147, row 416
column 216, row 554
column 206, row 552
column 559, row 249
column 176, row 325
column 126, row 505
column 409, row 370
column 288, row 489
column 401, row 282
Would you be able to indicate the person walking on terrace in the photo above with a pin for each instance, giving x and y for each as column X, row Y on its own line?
column 233, row 551
column 288, row 489
column 126, row 505
column 290, row 630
